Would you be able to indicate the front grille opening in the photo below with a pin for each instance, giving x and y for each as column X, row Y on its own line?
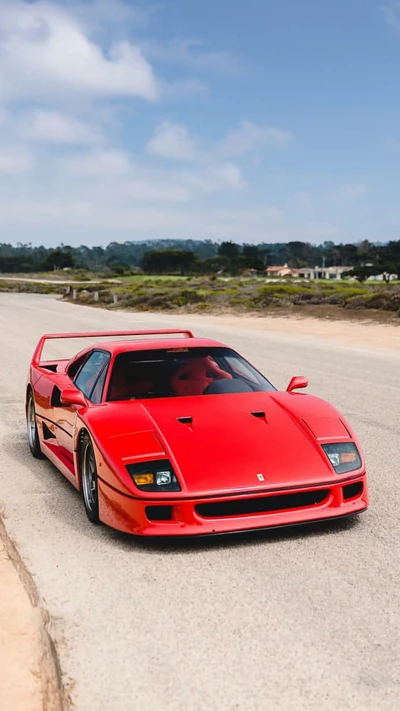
column 159, row 513
column 352, row 490
column 264, row 504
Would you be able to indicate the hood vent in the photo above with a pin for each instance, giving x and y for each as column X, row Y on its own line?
column 259, row 415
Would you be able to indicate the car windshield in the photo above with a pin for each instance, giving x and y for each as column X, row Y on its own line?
column 183, row 371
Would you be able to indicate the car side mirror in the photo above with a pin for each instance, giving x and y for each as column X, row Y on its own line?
column 73, row 397
column 299, row 381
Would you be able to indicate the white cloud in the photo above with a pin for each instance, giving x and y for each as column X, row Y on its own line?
column 172, row 140
column 262, row 223
column 250, row 137
column 351, row 192
column 85, row 214
column 3, row 116
column 246, row 225
column 44, row 126
column 317, row 231
column 145, row 190
column 117, row 178
column 214, row 179
column 144, row 204
column 192, row 54
column 56, row 62
column 100, row 163
column 302, row 200
column 14, row 161
column 391, row 14
column 97, row 13
column 45, row 53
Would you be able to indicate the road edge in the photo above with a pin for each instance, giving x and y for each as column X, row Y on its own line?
column 54, row 696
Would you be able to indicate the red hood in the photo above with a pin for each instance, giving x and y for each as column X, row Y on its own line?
column 221, row 446
column 225, row 447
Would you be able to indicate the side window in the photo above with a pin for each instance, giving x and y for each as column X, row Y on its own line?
column 76, row 365
column 91, row 372
column 97, row 391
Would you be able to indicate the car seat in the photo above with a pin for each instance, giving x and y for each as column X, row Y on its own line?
column 126, row 383
column 195, row 376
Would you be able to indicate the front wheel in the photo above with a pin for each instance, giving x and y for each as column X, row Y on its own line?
column 31, row 427
column 90, row 490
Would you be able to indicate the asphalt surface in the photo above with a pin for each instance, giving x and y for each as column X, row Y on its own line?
column 304, row 618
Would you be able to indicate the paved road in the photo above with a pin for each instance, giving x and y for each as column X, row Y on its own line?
column 295, row 620
column 58, row 282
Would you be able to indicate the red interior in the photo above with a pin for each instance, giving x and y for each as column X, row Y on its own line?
column 195, row 376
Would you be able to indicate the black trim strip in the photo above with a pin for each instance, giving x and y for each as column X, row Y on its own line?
column 253, row 531
column 47, row 419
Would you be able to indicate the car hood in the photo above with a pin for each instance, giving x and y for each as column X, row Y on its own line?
column 240, row 442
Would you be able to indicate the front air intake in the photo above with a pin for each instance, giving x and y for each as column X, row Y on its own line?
column 263, row 504
column 159, row 513
column 352, row 490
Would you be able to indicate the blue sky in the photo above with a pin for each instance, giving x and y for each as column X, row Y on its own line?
column 251, row 121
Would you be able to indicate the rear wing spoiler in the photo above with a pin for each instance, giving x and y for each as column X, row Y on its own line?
column 36, row 358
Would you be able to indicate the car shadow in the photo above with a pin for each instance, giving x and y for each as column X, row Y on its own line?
column 201, row 543
column 67, row 506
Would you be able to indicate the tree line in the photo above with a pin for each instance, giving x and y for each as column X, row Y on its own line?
column 202, row 257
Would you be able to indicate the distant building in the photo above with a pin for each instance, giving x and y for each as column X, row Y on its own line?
column 383, row 277
column 307, row 272
column 321, row 272
column 279, row 271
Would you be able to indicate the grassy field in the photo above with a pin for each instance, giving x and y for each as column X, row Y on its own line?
column 31, row 287
column 217, row 295
column 138, row 278
column 347, row 299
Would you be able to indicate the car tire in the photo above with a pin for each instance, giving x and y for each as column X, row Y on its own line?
column 88, row 469
column 31, row 426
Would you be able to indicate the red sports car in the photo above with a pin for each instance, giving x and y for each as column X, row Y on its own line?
column 166, row 434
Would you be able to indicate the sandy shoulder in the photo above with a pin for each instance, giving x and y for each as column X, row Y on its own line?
column 370, row 335
column 20, row 643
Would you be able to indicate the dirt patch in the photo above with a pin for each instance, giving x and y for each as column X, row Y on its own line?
column 20, row 683
column 357, row 334
column 29, row 672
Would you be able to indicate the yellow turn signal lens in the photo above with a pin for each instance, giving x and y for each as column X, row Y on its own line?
column 347, row 457
column 143, row 479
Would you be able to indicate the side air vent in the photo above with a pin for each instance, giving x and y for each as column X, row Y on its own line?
column 56, row 397
column 185, row 420
column 47, row 433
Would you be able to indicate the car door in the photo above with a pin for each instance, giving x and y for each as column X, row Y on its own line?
column 90, row 379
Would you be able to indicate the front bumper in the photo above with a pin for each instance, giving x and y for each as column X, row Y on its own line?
column 226, row 514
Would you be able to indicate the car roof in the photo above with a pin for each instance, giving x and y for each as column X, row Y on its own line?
column 145, row 344
column 116, row 347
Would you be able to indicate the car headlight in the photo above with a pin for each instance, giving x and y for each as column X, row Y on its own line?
column 343, row 456
column 154, row 476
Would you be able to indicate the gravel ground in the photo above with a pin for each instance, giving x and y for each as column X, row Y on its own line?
column 299, row 619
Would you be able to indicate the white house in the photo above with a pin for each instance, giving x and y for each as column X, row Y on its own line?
column 321, row 272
